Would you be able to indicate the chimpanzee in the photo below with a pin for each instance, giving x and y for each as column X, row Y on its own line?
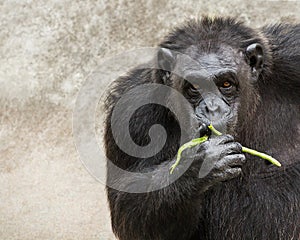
column 257, row 77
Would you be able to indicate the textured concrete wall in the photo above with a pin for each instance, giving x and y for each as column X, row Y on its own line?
column 47, row 50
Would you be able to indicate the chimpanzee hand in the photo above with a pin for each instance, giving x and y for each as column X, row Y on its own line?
column 218, row 159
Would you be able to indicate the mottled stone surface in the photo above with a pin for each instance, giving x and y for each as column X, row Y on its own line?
column 48, row 49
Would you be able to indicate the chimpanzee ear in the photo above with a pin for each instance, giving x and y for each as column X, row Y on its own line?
column 165, row 59
column 255, row 57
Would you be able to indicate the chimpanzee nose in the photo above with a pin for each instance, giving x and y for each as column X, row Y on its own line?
column 213, row 108
column 212, row 105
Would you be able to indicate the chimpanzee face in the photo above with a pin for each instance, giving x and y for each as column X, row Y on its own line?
column 215, row 82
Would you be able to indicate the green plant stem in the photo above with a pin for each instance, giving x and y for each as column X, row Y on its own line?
column 250, row 151
column 215, row 131
column 197, row 141
column 261, row 155
column 190, row 144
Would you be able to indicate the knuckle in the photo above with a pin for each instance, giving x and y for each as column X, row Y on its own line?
column 242, row 157
column 225, row 139
column 234, row 159
column 234, row 147
column 228, row 137
column 234, row 171
column 239, row 146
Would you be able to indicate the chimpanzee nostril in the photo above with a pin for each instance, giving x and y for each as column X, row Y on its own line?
column 206, row 109
column 212, row 107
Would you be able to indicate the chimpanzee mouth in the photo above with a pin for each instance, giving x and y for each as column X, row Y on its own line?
column 219, row 123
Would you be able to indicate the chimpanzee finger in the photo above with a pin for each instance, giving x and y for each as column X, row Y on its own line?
column 234, row 160
column 220, row 140
column 227, row 174
column 232, row 147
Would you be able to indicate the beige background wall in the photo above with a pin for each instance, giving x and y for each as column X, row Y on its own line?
column 47, row 50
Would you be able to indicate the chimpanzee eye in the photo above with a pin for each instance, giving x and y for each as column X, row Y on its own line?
column 192, row 94
column 226, row 84
column 227, row 87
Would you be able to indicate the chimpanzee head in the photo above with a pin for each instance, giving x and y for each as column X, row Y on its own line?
column 214, row 73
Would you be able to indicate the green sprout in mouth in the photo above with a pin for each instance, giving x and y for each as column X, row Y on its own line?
column 197, row 141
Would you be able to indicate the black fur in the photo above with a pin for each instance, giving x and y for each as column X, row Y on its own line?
column 261, row 203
